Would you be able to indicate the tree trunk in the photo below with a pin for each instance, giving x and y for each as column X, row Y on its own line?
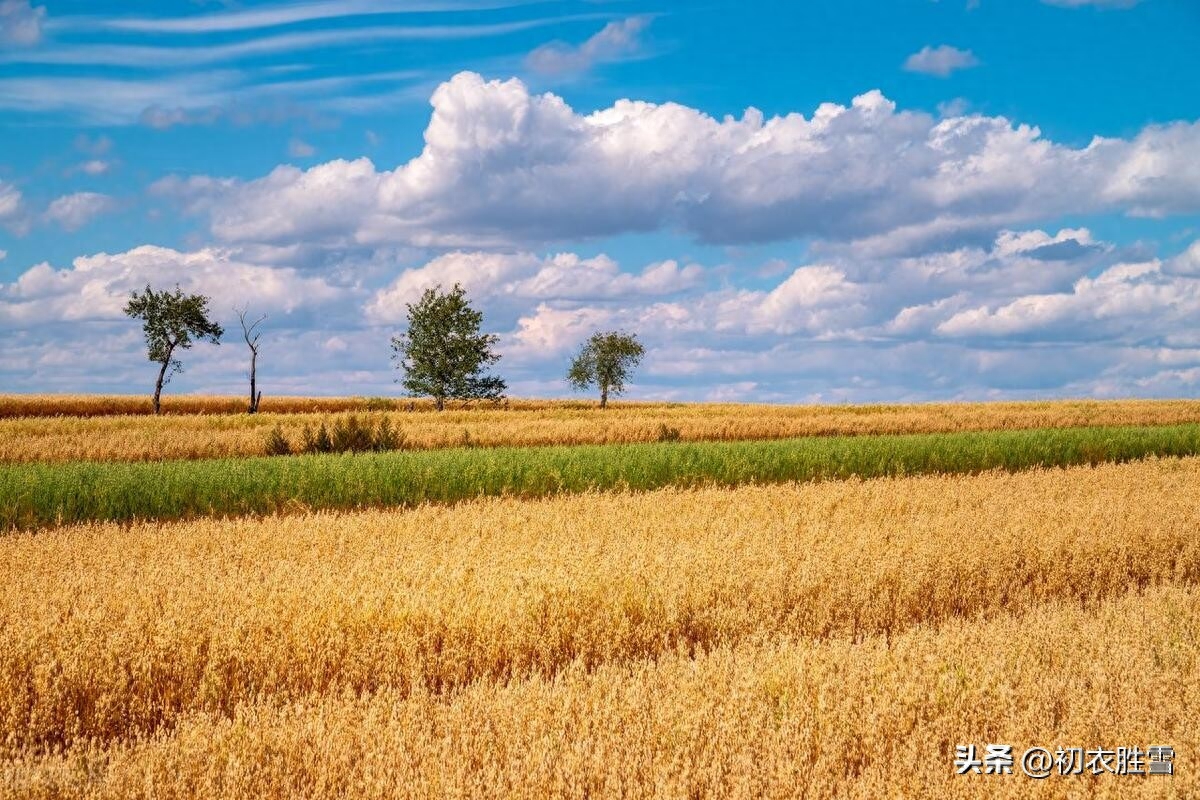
column 253, row 399
column 162, row 373
column 604, row 396
column 440, row 402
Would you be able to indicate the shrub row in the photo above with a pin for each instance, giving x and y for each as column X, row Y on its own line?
column 348, row 435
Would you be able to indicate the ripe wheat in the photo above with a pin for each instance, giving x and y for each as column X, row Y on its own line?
column 529, row 423
column 113, row 632
column 861, row 720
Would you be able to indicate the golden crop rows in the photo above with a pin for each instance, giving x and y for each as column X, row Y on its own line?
column 136, row 438
column 867, row 720
column 100, row 405
column 752, row 634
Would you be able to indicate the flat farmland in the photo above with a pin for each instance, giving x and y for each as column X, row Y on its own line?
column 795, row 640
column 68, row 428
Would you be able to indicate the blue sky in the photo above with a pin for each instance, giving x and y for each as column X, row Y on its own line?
column 819, row 201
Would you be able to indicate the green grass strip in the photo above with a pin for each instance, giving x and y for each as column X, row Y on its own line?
column 35, row 495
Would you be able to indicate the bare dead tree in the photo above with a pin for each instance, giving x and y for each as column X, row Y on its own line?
column 251, row 334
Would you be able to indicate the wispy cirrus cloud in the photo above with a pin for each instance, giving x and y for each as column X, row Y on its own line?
column 291, row 14
column 117, row 78
column 1096, row 3
column 191, row 98
column 159, row 57
column 116, row 100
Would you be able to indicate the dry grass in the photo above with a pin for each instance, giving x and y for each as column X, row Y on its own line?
column 101, row 405
column 872, row 719
column 525, row 423
column 544, row 644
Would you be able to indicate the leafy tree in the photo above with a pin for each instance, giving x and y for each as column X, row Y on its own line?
column 606, row 361
column 442, row 354
column 170, row 321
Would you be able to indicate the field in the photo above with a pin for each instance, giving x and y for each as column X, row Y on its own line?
column 810, row 617
column 39, row 494
column 102, row 434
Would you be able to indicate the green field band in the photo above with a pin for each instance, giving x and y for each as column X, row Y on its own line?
column 40, row 495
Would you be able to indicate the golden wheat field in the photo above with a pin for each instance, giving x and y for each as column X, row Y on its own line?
column 803, row 640
column 101, row 405
column 876, row 718
column 524, row 423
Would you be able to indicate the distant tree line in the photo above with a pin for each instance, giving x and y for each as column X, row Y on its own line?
column 441, row 354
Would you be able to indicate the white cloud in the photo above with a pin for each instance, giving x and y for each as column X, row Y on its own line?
column 1096, row 3
column 1131, row 301
column 254, row 19
column 615, row 41
column 521, row 278
column 13, row 215
column 115, row 55
column 21, row 22
column 3, row 254
column 71, row 212
column 10, row 200
column 1034, row 314
column 940, row 61
column 1186, row 263
column 97, row 287
column 92, row 167
column 503, row 167
column 298, row 148
column 114, row 100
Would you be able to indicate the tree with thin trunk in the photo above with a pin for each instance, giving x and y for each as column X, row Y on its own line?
column 442, row 353
column 170, row 321
column 606, row 361
column 251, row 334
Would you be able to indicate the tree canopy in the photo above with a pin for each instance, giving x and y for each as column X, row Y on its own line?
column 442, row 354
column 170, row 322
column 606, row 361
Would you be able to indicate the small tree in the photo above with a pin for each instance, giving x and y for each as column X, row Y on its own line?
column 442, row 354
column 251, row 334
column 606, row 361
column 170, row 321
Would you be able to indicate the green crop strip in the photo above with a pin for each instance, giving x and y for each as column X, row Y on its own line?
column 37, row 495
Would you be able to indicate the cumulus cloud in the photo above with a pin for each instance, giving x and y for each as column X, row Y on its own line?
column 521, row 278
column 1031, row 314
column 940, row 61
column 504, row 167
column 94, row 167
column 97, row 287
column 1135, row 301
column 71, row 212
column 615, row 41
column 21, row 22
